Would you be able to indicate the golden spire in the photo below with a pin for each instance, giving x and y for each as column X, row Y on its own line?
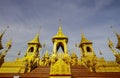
column 60, row 33
column 84, row 40
column 60, row 21
column 35, row 39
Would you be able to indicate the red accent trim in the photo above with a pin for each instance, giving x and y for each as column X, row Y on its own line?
column 60, row 75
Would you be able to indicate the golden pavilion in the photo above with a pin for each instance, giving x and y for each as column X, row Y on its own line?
column 60, row 64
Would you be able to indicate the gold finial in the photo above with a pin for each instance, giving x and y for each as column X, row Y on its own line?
column 83, row 37
column 39, row 31
column 60, row 21
column 110, row 43
column 60, row 30
column 9, row 44
column 81, row 30
column 82, row 34
column 4, row 32
column 60, row 26
column 1, row 35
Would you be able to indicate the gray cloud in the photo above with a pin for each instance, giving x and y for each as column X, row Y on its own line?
column 27, row 17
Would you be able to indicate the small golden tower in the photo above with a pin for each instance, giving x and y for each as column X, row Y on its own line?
column 86, row 47
column 33, row 47
column 60, row 62
column 60, row 40
column 74, row 59
column 32, row 54
column 88, row 55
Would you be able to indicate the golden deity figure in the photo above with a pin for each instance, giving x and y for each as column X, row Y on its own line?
column 45, row 59
column 74, row 59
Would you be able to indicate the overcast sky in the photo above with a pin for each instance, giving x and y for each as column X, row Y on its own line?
column 27, row 17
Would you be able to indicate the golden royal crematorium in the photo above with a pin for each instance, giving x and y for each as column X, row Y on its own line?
column 60, row 64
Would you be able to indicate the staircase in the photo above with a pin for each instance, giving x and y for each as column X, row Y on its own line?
column 83, row 72
column 41, row 71
column 78, row 70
